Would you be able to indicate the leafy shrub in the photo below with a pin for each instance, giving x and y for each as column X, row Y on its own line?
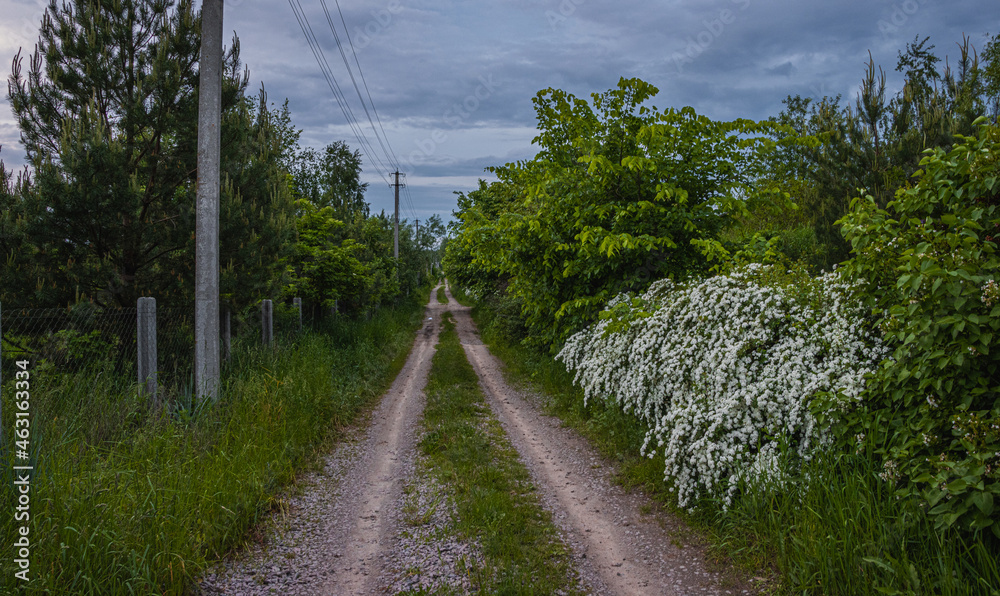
column 615, row 198
column 932, row 263
column 722, row 370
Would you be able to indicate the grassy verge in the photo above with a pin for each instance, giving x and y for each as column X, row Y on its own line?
column 496, row 505
column 124, row 505
column 845, row 533
column 441, row 296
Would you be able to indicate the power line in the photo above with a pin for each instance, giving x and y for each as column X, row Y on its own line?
column 355, row 53
column 367, row 147
column 409, row 201
column 354, row 81
column 338, row 94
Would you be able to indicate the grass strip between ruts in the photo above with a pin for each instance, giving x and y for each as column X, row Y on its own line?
column 496, row 503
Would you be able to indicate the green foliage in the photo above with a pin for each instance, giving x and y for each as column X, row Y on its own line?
column 874, row 145
column 930, row 261
column 257, row 212
column 614, row 199
column 331, row 178
column 324, row 271
column 343, row 257
column 106, row 145
column 108, row 114
column 991, row 77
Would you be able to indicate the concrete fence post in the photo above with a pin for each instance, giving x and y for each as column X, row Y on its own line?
column 145, row 343
column 224, row 327
column 267, row 321
column 298, row 306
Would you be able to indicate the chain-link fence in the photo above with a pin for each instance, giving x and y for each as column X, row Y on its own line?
column 175, row 349
column 68, row 341
column 87, row 339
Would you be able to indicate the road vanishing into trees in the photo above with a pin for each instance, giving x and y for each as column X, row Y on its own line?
column 349, row 530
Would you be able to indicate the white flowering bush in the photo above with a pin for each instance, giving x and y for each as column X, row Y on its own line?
column 722, row 370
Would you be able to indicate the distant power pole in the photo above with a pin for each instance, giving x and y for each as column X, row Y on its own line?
column 395, row 241
column 206, row 292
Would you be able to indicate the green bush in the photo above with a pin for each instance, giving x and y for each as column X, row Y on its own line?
column 930, row 263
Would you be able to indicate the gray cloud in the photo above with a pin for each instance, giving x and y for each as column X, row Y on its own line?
column 422, row 58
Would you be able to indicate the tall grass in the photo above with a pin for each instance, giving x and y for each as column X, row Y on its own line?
column 123, row 502
column 841, row 533
column 844, row 532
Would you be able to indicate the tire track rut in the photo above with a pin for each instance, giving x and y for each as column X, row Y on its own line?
column 334, row 538
column 375, row 481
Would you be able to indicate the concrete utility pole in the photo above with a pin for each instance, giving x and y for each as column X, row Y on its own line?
column 395, row 236
column 206, row 292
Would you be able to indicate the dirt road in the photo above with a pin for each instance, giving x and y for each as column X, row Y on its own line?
column 332, row 540
column 376, row 479
column 340, row 532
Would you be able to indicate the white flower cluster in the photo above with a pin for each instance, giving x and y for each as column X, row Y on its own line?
column 990, row 292
column 723, row 369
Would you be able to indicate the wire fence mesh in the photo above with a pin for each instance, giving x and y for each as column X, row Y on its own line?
column 175, row 349
column 87, row 339
column 68, row 341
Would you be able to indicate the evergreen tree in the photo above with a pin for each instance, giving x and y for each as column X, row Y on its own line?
column 257, row 216
column 108, row 115
column 875, row 145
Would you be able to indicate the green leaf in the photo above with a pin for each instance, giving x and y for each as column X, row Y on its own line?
column 958, row 486
column 984, row 502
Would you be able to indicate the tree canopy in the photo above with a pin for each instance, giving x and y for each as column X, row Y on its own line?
column 618, row 195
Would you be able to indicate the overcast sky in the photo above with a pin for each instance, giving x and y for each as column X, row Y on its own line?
column 452, row 80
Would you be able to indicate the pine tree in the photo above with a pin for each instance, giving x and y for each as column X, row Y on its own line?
column 108, row 116
column 106, row 113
